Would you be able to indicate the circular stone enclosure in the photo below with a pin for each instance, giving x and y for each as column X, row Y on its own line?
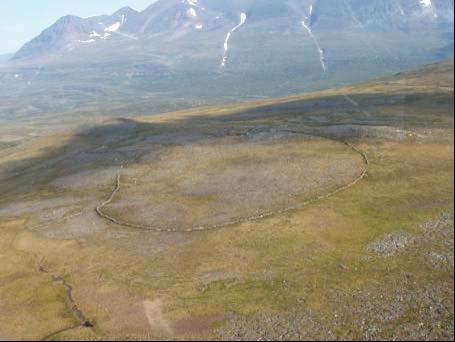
column 212, row 184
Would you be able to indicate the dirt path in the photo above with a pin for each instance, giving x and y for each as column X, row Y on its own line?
column 103, row 215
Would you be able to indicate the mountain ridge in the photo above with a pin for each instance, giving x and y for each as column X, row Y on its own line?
column 180, row 18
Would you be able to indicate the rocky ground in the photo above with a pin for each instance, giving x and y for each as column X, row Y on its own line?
column 385, row 311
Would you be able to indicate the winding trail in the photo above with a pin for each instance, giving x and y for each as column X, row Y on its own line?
column 102, row 214
column 77, row 313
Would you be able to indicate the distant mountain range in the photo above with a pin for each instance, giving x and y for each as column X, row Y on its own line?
column 198, row 51
column 177, row 22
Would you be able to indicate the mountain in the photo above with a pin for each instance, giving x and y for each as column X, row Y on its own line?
column 71, row 32
column 178, row 20
column 177, row 53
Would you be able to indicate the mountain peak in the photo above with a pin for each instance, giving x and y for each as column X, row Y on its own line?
column 126, row 10
column 69, row 19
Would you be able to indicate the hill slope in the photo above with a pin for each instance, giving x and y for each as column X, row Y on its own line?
column 183, row 53
column 324, row 216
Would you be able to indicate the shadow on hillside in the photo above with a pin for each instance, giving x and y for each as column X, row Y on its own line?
column 113, row 143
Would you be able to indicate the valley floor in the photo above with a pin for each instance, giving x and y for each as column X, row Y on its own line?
column 316, row 216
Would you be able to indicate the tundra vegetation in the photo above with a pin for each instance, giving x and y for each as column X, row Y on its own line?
column 325, row 215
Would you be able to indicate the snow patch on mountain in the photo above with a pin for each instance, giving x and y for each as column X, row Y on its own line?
column 191, row 12
column 228, row 36
column 426, row 3
column 86, row 41
column 190, row 2
column 113, row 28
column 193, row 3
column 316, row 42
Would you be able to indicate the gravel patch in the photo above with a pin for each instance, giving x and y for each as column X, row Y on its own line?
column 273, row 327
column 442, row 224
column 390, row 245
column 440, row 233
column 439, row 260
column 393, row 309
column 406, row 313
column 379, row 312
